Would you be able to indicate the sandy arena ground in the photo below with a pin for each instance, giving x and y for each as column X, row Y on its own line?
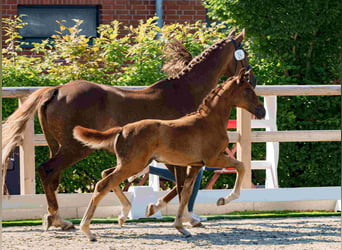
column 290, row 233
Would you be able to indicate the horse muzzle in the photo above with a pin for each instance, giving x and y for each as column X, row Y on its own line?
column 260, row 112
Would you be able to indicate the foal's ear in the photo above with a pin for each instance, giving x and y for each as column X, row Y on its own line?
column 241, row 76
column 232, row 33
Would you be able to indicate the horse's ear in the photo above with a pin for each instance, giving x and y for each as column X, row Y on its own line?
column 241, row 36
column 232, row 33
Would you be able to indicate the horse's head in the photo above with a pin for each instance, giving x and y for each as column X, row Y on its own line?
column 238, row 58
column 245, row 97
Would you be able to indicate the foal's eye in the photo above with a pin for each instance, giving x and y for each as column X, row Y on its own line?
column 248, row 91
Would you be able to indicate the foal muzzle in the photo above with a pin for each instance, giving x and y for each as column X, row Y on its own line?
column 260, row 112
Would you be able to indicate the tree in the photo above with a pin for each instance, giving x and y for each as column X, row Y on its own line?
column 295, row 42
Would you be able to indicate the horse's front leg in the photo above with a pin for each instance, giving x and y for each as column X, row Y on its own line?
column 185, row 195
column 223, row 161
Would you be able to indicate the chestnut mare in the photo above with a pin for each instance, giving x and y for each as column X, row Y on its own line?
column 195, row 140
column 61, row 108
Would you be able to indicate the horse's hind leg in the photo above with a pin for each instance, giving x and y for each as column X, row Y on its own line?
column 50, row 173
column 185, row 195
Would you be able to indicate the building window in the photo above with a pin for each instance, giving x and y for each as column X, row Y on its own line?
column 41, row 20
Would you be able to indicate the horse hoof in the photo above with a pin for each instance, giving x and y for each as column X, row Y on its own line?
column 220, row 202
column 150, row 210
column 47, row 221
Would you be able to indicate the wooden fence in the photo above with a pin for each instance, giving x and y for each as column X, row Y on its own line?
column 243, row 135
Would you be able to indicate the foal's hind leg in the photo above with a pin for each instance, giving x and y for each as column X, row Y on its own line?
column 223, row 161
column 110, row 182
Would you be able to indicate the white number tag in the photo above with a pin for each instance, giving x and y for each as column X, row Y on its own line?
column 239, row 54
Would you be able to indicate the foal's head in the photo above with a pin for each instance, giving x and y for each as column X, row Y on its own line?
column 244, row 96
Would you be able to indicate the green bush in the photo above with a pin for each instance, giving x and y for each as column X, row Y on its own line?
column 297, row 42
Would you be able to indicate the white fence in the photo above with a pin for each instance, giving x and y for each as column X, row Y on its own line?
column 244, row 136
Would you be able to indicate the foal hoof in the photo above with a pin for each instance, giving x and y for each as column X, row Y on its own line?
column 186, row 233
column 151, row 209
column 220, row 202
column 121, row 221
column 196, row 224
column 47, row 221
column 93, row 239
column 67, row 225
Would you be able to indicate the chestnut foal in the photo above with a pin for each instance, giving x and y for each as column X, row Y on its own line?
column 194, row 140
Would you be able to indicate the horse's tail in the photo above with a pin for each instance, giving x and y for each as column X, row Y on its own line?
column 96, row 139
column 13, row 127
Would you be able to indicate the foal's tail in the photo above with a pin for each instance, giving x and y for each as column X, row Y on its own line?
column 97, row 139
column 13, row 127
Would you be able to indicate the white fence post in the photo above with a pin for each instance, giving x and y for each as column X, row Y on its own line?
column 272, row 148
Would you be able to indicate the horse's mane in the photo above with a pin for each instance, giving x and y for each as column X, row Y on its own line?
column 179, row 60
column 176, row 57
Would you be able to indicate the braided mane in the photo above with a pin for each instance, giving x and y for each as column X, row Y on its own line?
column 179, row 60
column 205, row 105
column 176, row 57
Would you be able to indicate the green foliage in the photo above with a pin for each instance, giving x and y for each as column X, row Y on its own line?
column 297, row 42
column 128, row 56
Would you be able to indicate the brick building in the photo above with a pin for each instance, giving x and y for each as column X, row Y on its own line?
column 42, row 14
column 126, row 11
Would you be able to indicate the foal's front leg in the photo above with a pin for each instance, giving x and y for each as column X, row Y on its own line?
column 185, row 195
column 223, row 161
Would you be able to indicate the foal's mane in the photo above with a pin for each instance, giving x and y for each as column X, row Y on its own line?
column 216, row 92
column 179, row 60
